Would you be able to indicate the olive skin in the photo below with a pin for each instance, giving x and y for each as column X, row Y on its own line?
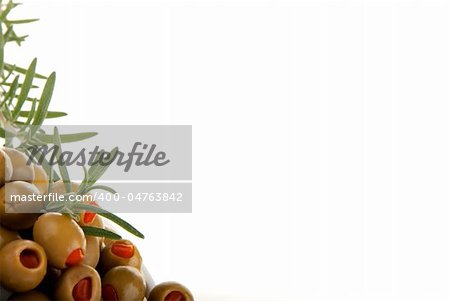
column 123, row 283
column 168, row 291
column 61, row 238
column 87, row 220
column 59, row 188
column 29, row 296
column 93, row 244
column 67, row 284
column 40, row 179
column 5, row 168
column 21, row 170
column 92, row 256
column 120, row 253
column 24, row 265
column 7, row 236
column 18, row 215
column 90, row 219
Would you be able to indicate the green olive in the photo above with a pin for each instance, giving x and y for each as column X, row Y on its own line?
column 90, row 219
column 123, row 283
column 5, row 168
column 40, row 178
column 7, row 236
column 62, row 239
column 23, row 265
column 21, row 169
column 59, row 187
column 87, row 218
column 170, row 291
column 79, row 283
column 120, row 253
column 93, row 244
column 15, row 212
column 92, row 255
column 29, row 296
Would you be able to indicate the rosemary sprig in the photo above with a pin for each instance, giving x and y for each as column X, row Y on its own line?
column 125, row 225
column 74, row 209
column 96, row 171
column 65, row 138
column 50, row 114
column 25, row 89
column 100, row 232
column 18, row 69
column 62, row 167
column 23, row 112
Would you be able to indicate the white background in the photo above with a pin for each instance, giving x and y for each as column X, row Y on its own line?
column 321, row 136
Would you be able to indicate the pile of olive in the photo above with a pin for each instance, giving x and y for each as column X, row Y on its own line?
column 48, row 256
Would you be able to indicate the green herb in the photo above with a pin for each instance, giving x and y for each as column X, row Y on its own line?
column 110, row 216
column 99, row 232
column 62, row 167
column 22, row 115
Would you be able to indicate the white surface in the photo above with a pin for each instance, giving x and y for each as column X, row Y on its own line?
column 321, row 136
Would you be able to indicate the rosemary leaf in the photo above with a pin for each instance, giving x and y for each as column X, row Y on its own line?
column 28, row 81
column 31, row 112
column 66, row 138
column 24, row 21
column 22, row 70
column 20, row 85
column 26, row 99
column 97, row 170
column 85, row 178
column 99, row 232
column 50, row 173
column 112, row 217
column 12, row 90
column 2, row 50
column 8, row 8
column 5, row 78
column 62, row 166
column 50, row 114
column 45, row 100
column 101, row 187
